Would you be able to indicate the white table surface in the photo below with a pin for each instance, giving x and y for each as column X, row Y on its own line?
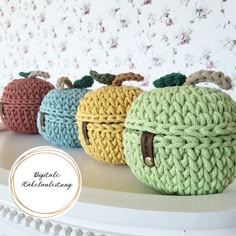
column 115, row 201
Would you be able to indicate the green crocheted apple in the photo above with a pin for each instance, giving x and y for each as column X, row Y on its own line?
column 182, row 140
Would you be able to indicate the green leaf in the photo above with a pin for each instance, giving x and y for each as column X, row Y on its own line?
column 102, row 78
column 85, row 82
column 24, row 74
column 170, row 80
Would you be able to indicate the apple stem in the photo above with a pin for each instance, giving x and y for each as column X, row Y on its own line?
column 62, row 81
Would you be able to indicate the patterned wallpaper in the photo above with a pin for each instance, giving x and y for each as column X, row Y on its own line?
column 144, row 36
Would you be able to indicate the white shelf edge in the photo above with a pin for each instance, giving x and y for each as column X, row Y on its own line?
column 100, row 207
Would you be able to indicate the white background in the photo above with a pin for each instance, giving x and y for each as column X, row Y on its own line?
column 145, row 36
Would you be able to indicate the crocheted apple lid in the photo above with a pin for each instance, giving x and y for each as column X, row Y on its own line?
column 101, row 115
column 21, row 100
column 56, row 118
column 182, row 140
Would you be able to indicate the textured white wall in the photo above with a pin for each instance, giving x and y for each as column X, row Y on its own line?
column 145, row 36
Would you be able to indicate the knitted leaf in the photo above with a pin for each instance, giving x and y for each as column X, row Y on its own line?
column 85, row 82
column 24, row 74
column 169, row 80
column 102, row 78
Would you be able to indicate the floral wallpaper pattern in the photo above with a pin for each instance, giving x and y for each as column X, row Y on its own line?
column 144, row 36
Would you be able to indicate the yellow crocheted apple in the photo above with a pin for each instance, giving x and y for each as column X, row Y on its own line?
column 101, row 115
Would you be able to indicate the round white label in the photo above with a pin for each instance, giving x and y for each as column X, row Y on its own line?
column 44, row 182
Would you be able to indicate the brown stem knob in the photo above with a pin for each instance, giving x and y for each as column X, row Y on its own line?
column 120, row 78
column 62, row 81
column 218, row 78
column 36, row 73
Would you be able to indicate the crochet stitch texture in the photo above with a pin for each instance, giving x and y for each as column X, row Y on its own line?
column 218, row 78
column 21, row 100
column 169, row 80
column 59, row 124
column 194, row 146
column 104, row 110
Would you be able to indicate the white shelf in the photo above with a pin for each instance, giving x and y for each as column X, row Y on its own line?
column 114, row 202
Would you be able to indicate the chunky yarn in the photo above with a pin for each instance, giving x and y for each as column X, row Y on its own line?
column 20, row 103
column 194, row 144
column 85, row 82
column 102, row 78
column 100, row 117
column 62, row 81
column 56, row 118
column 24, row 74
column 218, row 78
column 39, row 73
column 119, row 79
column 169, row 80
